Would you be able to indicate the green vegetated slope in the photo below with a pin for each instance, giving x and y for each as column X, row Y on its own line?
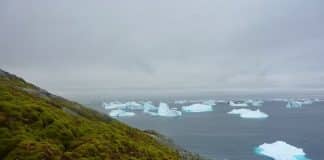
column 35, row 124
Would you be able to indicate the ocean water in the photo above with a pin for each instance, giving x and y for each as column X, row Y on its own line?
column 218, row 135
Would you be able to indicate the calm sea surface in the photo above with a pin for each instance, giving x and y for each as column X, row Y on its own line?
column 218, row 135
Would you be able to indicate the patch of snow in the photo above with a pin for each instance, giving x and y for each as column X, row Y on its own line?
column 197, row 108
column 281, row 150
column 250, row 114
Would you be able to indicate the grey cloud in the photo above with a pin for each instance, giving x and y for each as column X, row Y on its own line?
column 165, row 45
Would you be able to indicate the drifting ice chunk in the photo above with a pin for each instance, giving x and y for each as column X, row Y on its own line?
column 120, row 113
column 238, row 104
column 247, row 113
column 280, row 150
column 165, row 111
column 210, row 102
column 197, row 108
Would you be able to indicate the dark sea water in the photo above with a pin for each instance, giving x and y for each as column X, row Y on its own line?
column 218, row 135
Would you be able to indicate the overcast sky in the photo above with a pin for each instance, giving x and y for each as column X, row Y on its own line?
column 164, row 45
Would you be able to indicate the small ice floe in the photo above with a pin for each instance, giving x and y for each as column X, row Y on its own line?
column 197, row 108
column 120, row 113
column 250, row 114
column 238, row 104
column 255, row 103
column 165, row 111
column 280, row 150
column 209, row 102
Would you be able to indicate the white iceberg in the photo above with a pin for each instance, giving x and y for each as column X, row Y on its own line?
column 280, row 150
column 150, row 109
column 250, row 114
column 165, row 111
column 209, row 102
column 128, row 105
column 197, row 108
column 120, row 113
column 238, row 104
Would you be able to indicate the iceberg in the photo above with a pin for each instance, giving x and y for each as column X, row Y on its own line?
column 294, row 104
column 133, row 106
column 113, row 105
column 250, row 114
column 150, row 109
column 255, row 103
column 165, row 111
column 197, row 108
column 238, row 104
column 280, row 150
column 120, row 113
column 128, row 105
column 209, row 102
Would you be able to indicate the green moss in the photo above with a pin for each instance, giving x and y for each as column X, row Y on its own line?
column 35, row 124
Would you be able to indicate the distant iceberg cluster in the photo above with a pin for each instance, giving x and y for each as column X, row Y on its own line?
column 127, row 109
column 250, row 114
column 281, row 150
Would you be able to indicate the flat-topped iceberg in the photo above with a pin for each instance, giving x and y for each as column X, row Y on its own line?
column 280, row 150
column 197, row 108
column 250, row 114
column 238, row 104
column 118, row 105
column 120, row 113
column 165, row 111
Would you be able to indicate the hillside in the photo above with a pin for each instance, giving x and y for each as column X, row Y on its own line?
column 35, row 124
